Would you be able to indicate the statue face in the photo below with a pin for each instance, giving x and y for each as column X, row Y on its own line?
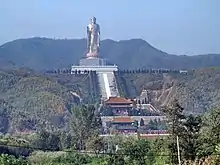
column 93, row 20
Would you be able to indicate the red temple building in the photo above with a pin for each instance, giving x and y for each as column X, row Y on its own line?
column 124, row 125
column 119, row 106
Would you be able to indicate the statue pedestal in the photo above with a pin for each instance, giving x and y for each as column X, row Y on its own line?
column 92, row 55
column 93, row 64
column 92, row 61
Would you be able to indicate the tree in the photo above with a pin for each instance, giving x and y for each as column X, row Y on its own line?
column 111, row 142
column 151, row 125
column 95, row 144
column 187, row 129
column 142, row 122
column 116, row 160
column 189, row 139
column 137, row 150
column 145, row 100
column 9, row 159
column 66, row 140
column 159, row 149
column 175, row 118
column 210, row 133
column 161, row 124
column 4, row 116
column 84, row 124
column 72, row 158
column 47, row 141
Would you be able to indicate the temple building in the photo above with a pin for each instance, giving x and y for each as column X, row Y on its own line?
column 117, row 106
column 123, row 125
column 118, row 114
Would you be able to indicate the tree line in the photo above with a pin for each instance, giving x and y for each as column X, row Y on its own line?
column 68, row 71
column 130, row 71
column 198, row 139
column 151, row 71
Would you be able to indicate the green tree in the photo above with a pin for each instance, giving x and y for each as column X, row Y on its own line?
column 152, row 125
column 72, row 158
column 47, row 141
column 142, row 122
column 210, row 133
column 66, row 140
column 137, row 150
column 111, row 142
column 11, row 160
column 175, row 118
column 84, row 124
column 189, row 139
column 159, row 149
column 115, row 160
column 187, row 129
column 96, row 144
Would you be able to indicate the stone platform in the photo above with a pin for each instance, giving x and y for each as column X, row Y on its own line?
column 104, row 72
column 92, row 61
column 93, row 64
column 103, row 68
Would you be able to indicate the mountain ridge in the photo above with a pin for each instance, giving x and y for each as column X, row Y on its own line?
column 45, row 53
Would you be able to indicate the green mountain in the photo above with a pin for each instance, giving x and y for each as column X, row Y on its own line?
column 198, row 90
column 44, row 53
column 29, row 101
column 32, row 101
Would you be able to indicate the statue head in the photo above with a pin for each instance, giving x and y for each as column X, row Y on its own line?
column 93, row 20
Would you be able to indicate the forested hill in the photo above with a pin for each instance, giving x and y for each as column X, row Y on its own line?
column 44, row 53
column 198, row 90
column 29, row 100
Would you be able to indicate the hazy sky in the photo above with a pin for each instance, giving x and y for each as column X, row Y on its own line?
column 174, row 26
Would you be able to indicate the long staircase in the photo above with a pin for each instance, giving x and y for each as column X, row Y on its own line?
column 94, row 86
column 108, row 85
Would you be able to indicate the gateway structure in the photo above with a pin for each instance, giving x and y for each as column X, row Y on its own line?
column 92, row 62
